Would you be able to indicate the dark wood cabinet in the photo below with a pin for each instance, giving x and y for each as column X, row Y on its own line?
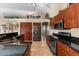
column 69, row 23
column 70, row 15
column 52, row 23
column 60, row 49
column 26, row 30
column 65, row 50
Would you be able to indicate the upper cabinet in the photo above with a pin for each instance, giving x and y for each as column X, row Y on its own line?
column 53, row 21
column 70, row 17
column 77, row 11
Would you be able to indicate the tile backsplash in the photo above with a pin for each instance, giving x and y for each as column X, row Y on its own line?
column 51, row 31
column 75, row 32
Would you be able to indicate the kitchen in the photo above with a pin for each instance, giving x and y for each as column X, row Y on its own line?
column 65, row 35
column 25, row 31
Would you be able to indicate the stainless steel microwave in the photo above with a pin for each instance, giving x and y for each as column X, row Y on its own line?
column 59, row 25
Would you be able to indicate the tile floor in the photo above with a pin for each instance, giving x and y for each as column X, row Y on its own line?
column 39, row 48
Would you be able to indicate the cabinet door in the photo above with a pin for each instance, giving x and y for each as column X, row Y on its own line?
column 77, row 10
column 55, row 19
column 65, row 50
column 68, row 23
column 74, row 15
column 72, row 12
column 66, row 20
column 58, row 17
column 26, row 30
column 67, row 14
column 52, row 23
column 60, row 49
column 71, row 17
column 77, row 14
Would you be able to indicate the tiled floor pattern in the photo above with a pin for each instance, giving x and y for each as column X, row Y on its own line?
column 39, row 48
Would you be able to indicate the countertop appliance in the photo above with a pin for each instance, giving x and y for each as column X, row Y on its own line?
column 59, row 25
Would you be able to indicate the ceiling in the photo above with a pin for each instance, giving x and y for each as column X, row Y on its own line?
column 22, row 9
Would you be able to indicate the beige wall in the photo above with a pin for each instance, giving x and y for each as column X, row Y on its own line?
column 75, row 32
column 25, row 20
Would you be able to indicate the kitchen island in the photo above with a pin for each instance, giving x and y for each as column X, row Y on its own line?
column 11, row 45
column 22, row 49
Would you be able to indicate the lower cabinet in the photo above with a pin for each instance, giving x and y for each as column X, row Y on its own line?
column 65, row 50
column 60, row 49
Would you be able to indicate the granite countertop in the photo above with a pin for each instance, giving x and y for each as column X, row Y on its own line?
column 10, row 49
column 74, row 41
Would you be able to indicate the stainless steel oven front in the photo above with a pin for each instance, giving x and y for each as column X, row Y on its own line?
column 53, row 45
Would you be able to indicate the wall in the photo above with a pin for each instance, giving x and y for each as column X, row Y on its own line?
column 50, row 31
column 3, row 21
column 75, row 32
column 26, row 20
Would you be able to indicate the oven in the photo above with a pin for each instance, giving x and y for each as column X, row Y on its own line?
column 53, row 44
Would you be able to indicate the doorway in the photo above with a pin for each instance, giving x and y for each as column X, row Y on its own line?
column 44, row 29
